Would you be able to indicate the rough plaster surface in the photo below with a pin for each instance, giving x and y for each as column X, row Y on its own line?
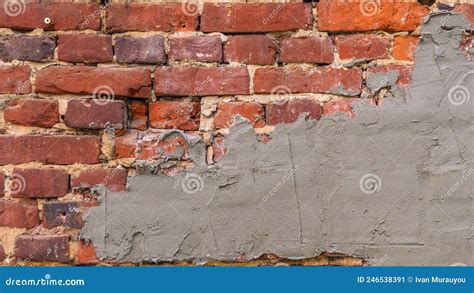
column 394, row 185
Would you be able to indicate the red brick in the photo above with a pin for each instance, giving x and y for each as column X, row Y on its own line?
column 130, row 82
column 147, row 50
column 24, row 47
column 404, row 47
column 126, row 144
column 81, row 48
column 218, row 149
column 95, row 114
column 290, row 110
column 363, row 46
column 66, row 214
column 255, row 17
column 149, row 17
column 42, row 248
column 63, row 16
column 139, row 115
column 2, row 184
column 15, row 79
column 173, row 114
column 226, row 112
column 113, row 179
column 340, row 106
column 32, row 112
column 256, row 49
column 467, row 10
column 403, row 70
column 39, row 183
column 196, row 48
column 307, row 50
column 19, row 214
column 3, row 255
column 158, row 146
column 48, row 149
column 391, row 16
column 201, row 81
column 86, row 253
column 300, row 80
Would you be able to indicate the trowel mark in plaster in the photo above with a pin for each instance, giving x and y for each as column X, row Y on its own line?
column 418, row 144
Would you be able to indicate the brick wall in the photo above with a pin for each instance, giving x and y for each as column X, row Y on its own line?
column 88, row 89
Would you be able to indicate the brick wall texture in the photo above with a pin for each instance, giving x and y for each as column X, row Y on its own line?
column 89, row 88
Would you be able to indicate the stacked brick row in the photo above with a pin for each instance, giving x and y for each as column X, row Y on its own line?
column 87, row 90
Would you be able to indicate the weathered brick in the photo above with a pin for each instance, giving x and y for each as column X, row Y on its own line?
column 196, row 48
column 363, row 46
column 63, row 16
column 3, row 255
column 2, row 184
column 361, row 15
column 32, row 112
column 174, row 114
column 158, row 146
column 113, row 179
column 130, row 82
column 39, row 183
column 201, row 81
column 290, row 110
column 24, row 47
column 340, row 106
column 256, row 49
column 139, row 115
column 82, row 48
column 147, row 50
column 95, row 114
column 126, row 144
column 403, row 71
column 42, row 248
column 404, row 47
column 15, row 79
column 67, row 214
column 467, row 10
column 86, row 253
column 226, row 112
column 49, row 149
column 19, row 214
column 149, row 17
column 316, row 80
column 218, row 149
column 307, row 50
column 255, row 17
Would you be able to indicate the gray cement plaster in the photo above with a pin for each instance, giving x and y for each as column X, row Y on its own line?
column 394, row 185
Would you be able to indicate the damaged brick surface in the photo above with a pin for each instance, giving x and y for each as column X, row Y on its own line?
column 99, row 101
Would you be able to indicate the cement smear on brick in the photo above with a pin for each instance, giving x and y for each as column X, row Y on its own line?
column 395, row 185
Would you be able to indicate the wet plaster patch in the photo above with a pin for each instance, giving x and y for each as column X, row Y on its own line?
column 394, row 185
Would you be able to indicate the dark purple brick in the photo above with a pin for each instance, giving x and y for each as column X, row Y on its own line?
column 148, row 50
column 23, row 47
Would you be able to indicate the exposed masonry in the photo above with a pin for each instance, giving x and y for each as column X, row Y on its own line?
column 303, row 193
